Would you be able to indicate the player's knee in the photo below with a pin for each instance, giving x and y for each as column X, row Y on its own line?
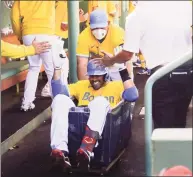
column 61, row 100
column 35, row 68
column 100, row 99
column 99, row 103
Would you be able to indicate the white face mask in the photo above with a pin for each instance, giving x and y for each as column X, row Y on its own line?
column 99, row 33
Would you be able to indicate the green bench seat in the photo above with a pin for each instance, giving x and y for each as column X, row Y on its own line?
column 14, row 72
column 12, row 68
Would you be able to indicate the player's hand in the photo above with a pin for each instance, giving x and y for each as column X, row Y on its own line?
column 6, row 31
column 41, row 47
column 64, row 26
column 105, row 60
column 81, row 12
column 118, row 49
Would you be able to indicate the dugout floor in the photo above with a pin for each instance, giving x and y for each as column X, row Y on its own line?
column 31, row 158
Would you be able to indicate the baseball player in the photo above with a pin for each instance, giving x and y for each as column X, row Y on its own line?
column 30, row 20
column 99, row 95
column 144, row 69
column 100, row 35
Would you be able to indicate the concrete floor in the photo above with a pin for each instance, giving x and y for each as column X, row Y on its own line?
column 12, row 119
column 31, row 158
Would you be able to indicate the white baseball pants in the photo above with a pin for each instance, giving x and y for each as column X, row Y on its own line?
column 61, row 104
column 65, row 66
column 35, row 63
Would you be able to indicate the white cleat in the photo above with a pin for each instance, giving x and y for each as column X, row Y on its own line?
column 25, row 107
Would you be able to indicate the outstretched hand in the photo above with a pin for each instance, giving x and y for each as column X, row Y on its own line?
column 64, row 26
column 41, row 47
column 105, row 60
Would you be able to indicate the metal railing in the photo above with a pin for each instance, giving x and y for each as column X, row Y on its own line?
column 148, row 104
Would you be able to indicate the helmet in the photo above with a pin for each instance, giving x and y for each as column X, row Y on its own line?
column 97, row 70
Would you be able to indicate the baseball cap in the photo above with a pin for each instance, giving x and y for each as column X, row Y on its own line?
column 177, row 171
column 98, row 19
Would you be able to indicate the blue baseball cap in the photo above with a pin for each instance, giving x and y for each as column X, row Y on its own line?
column 98, row 19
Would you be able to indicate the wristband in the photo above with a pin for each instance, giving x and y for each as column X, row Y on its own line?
column 57, row 68
column 124, row 75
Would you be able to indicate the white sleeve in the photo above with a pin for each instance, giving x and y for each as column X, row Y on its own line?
column 132, row 33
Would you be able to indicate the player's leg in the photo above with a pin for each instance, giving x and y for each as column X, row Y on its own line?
column 99, row 108
column 32, row 76
column 59, row 128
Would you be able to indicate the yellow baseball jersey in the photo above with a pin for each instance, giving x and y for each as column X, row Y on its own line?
column 33, row 17
column 61, row 16
column 132, row 5
column 84, row 93
column 108, row 6
column 142, row 59
column 88, row 45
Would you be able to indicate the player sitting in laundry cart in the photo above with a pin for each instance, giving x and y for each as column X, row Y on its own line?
column 99, row 95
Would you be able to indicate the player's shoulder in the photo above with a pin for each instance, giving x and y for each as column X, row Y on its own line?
column 85, row 33
column 117, row 29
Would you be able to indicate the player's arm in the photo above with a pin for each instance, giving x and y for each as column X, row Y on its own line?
column 82, row 68
column 118, row 49
column 131, row 39
column 64, row 24
column 18, row 51
column 131, row 43
column 16, row 19
column 130, row 92
column 111, row 8
column 128, row 64
column 82, row 57
column 57, row 87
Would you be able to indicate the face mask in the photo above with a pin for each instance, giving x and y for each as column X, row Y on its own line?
column 99, row 33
